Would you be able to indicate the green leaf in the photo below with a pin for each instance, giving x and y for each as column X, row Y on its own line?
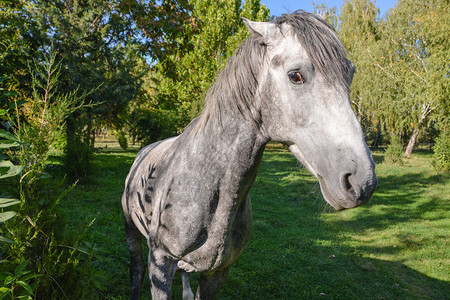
column 8, row 280
column 18, row 271
column 46, row 176
column 5, row 240
column 30, row 276
column 6, row 164
column 7, row 169
column 9, row 145
column 5, row 216
column 8, row 135
column 25, row 286
column 18, row 103
column 9, row 94
column 4, row 291
column 6, row 202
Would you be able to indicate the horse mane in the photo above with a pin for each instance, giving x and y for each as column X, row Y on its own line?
column 237, row 84
column 323, row 47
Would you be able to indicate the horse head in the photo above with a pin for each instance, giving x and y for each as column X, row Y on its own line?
column 304, row 103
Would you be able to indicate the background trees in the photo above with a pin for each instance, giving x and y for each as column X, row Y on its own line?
column 414, row 61
column 149, row 63
column 219, row 30
column 401, row 84
column 359, row 34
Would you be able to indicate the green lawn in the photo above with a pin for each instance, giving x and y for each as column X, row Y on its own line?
column 396, row 247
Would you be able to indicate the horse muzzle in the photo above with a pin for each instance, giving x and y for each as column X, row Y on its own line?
column 351, row 191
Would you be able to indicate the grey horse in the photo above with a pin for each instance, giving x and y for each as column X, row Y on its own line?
column 188, row 195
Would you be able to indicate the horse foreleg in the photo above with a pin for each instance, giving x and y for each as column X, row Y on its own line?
column 161, row 270
column 210, row 283
column 137, row 265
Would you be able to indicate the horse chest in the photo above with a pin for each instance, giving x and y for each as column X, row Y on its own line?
column 217, row 242
column 198, row 225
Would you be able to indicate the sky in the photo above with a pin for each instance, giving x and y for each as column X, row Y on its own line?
column 278, row 7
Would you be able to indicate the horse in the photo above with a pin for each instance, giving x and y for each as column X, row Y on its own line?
column 188, row 195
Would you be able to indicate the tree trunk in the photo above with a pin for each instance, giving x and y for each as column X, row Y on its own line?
column 411, row 143
column 375, row 141
column 426, row 110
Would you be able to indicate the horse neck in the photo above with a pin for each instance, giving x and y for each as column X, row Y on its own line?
column 232, row 145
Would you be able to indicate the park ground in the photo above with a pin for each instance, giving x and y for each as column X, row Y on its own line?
column 395, row 247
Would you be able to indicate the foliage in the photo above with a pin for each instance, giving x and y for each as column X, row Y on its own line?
column 359, row 34
column 441, row 157
column 7, row 169
column 15, row 51
column 220, row 30
column 16, row 285
column 394, row 152
column 164, row 27
column 149, row 125
column 45, row 115
column 93, row 278
column 79, row 146
column 97, row 52
column 37, row 233
column 329, row 14
column 412, row 62
column 123, row 142
column 401, row 78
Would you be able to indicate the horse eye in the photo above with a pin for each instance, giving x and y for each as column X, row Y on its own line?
column 296, row 77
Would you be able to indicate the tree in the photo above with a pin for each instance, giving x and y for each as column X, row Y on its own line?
column 15, row 50
column 219, row 30
column 97, row 52
column 329, row 14
column 415, row 66
column 102, row 46
column 358, row 30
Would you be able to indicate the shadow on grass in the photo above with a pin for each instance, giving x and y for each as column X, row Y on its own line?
column 399, row 198
column 293, row 253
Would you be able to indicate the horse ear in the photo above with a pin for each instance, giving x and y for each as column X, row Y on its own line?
column 259, row 29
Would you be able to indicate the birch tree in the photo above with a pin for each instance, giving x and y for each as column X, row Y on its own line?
column 358, row 30
column 415, row 66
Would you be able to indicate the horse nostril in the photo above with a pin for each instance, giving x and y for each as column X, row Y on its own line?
column 349, row 187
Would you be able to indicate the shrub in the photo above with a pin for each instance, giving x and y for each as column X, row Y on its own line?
column 394, row 151
column 78, row 150
column 441, row 156
column 37, row 232
column 123, row 142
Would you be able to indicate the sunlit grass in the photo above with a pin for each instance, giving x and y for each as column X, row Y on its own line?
column 396, row 247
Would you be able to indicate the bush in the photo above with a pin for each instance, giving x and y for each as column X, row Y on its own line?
column 394, row 151
column 148, row 126
column 78, row 150
column 36, row 234
column 441, row 156
column 123, row 142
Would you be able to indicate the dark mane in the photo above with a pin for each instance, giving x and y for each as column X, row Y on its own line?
column 237, row 84
column 322, row 45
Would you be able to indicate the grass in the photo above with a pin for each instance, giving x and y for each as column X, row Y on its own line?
column 396, row 247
